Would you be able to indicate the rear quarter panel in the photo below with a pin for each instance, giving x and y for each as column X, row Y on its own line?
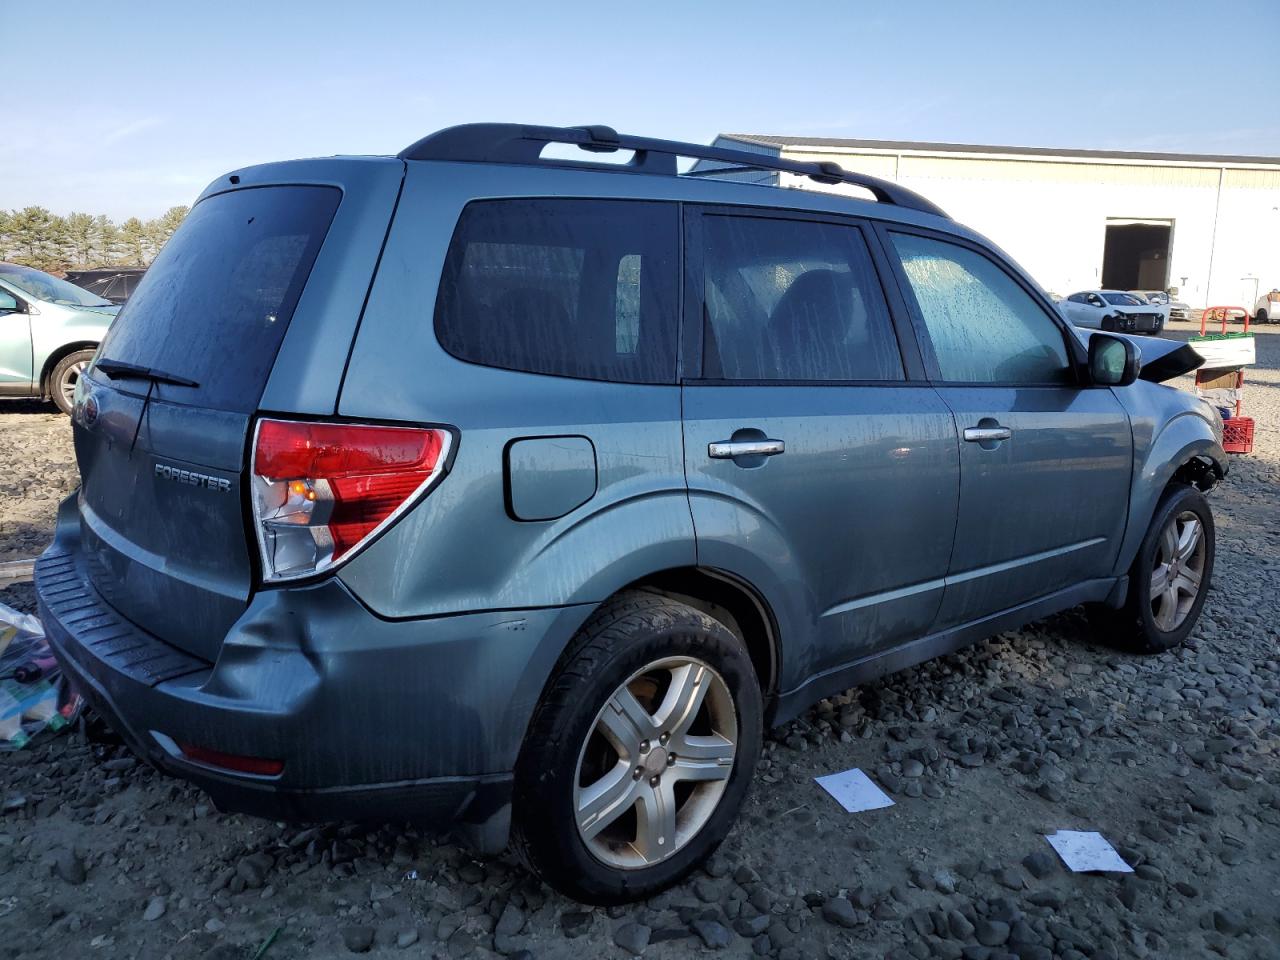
column 461, row 549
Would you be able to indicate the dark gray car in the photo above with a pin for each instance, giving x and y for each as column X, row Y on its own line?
column 523, row 494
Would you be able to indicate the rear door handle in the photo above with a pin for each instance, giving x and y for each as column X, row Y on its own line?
column 985, row 434
column 729, row 449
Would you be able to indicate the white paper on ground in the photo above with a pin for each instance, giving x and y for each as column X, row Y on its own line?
column 854, row 791
column 1082, row 851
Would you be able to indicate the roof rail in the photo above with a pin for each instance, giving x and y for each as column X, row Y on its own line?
column 519, row 143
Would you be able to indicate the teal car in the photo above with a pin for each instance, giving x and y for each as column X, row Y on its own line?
column 49, row 330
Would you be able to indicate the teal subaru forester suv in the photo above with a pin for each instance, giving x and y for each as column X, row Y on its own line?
column 482, row 487
column 49, row 330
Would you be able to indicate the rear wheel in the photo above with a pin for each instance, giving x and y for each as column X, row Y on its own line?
column 1169, row 579
column 640, row 753
column 66, row 374
column 1261, row 317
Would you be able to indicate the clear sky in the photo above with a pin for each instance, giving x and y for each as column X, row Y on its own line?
column 130, row 107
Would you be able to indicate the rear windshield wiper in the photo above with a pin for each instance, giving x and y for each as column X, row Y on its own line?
column 118, row 368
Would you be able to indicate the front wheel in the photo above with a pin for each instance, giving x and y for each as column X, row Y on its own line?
column 1169, row 579
column 1261, row 317
column 66, row 374
column 640, row 753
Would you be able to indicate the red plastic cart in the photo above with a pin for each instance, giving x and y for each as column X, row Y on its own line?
column 1237, row 430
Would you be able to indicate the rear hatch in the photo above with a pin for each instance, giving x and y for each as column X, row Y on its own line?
column 164, row 416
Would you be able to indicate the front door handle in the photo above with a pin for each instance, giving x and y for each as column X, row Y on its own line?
column 729, row 449
column 986, row 434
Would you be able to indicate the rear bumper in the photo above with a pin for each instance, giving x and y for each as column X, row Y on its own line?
column 372, row 719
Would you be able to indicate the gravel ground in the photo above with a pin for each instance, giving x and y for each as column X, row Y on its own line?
column 1175, row 759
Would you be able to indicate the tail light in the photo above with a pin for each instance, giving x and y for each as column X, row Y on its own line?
column 321, row 491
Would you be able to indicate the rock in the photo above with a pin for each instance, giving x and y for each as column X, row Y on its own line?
column 839, row 912
column 69, row 867
column 715, row 936
column 912, row 768
column 1229, row 922
column 632, row 937
column 1010, row 878
column 752, row 927
column 1051, row 792
column 959, row 926
column 510, row 922
column 407, row 938
column 1039, row 864
column 358, row 938
column 214, row 925
column 155, row 909
column 1202, row 802
column 380, row 891
column 991, row 933
column 1128, row 894
column 574, row 923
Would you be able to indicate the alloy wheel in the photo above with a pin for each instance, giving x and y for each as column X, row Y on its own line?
column 70, row 377
column 1178, row 570
column 655, row 763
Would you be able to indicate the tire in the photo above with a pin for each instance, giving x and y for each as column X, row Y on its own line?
column 1152, row 620
column 1107, row 324
column 62, row 380
column 571, row 759
column 1262, row 317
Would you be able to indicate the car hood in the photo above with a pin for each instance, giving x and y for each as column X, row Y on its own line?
column 109, row 310
column 67, row 311
column 1161, row 359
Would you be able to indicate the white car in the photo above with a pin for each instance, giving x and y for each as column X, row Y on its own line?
column 1173, row 309
column 1113, row 310
column 1267, row 309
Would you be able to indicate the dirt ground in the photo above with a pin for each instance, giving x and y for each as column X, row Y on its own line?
column 1175, row 759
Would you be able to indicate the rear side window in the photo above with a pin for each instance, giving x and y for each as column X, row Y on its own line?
column 216, row 303
column 793, row 300
column 983, row 327
column 573, row 288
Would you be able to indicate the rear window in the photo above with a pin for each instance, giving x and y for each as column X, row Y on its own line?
column 216, row 303
column 573, row 288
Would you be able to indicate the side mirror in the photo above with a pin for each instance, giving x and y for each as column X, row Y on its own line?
column 1113, row 361
column 8, row 303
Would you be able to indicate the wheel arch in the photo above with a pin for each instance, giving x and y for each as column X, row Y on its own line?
column 735, row 603
column 55, row 357
column 1185, row 451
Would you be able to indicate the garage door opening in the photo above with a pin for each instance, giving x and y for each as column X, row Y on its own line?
column 1136, row 254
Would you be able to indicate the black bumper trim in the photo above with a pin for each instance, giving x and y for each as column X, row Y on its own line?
column 65, row 592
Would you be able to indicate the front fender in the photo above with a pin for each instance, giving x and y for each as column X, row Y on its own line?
column 1181, row 439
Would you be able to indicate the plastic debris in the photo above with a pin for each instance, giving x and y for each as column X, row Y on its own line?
column 34, row 694
column 1086, row 852
column 854, row 791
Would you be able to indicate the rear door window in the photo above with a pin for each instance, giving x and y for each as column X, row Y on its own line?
column 789, row 299
column 215, row 305
column 570, row 287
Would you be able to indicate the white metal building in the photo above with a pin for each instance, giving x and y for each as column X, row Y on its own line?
column 1079, row 219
